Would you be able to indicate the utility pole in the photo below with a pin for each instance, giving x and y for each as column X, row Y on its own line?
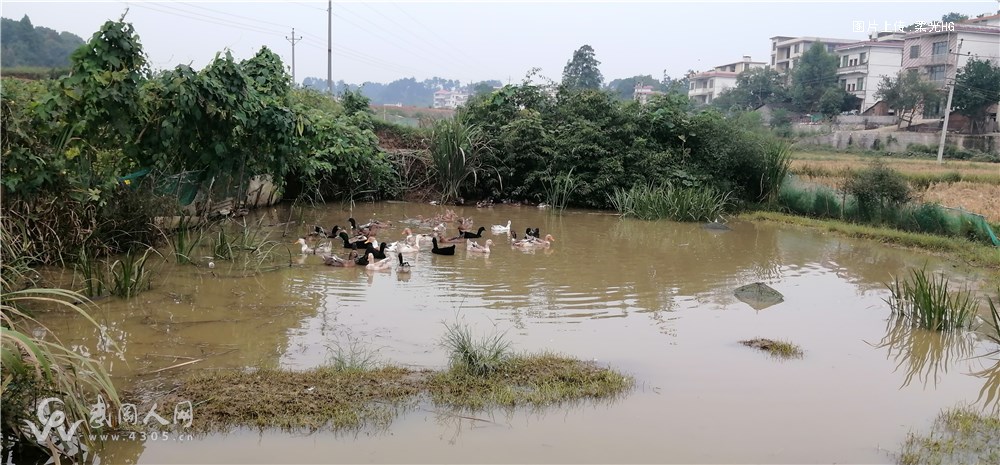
column 947, row 108
column 329, row 47
column 293, row 40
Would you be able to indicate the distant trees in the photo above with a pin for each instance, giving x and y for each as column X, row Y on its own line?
column 905, row 93
column 977, row 87
column 624, row 88
column 22, row 44
column 582, row 72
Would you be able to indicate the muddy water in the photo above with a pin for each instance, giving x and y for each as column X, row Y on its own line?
column 653, row 299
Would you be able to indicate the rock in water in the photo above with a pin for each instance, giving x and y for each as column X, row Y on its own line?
column 759, row 295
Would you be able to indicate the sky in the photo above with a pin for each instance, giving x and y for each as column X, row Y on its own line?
column 381, row 41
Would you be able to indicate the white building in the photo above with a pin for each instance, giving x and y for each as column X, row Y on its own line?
column 862, row 65
column 643, row 94
column 450, row 99
column 786, row 51
column 934, row 52
column 706, row 86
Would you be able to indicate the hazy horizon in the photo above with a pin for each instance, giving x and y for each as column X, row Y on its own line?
column 476, row 41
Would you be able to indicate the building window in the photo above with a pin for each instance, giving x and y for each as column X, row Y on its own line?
column 774, row 45
column 932, row 109
column 830, row 47
column 843, row 61
column 772, row 61
column 939, row 48
column 936, row 73
column 915, row 51
column 711, row 83
column 861, row 83
column 843, row 84
column 862, row 59
column 796, row 49
column 912, row 71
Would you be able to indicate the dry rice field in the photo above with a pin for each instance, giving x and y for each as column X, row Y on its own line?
column 978, row 192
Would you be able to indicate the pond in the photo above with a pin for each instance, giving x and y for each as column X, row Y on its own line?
column 651, row 299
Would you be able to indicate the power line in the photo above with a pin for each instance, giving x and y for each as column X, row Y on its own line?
column 215, row 21
column 435, row 34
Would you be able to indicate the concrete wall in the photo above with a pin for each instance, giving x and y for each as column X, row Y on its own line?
column 863, row 120
column 898, row 141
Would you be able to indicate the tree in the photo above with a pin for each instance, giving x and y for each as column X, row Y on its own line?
column 953, row 17
column 815, row 72
column 905, row 93
column 624, row 88
column 754, row 88
column 24, row 44
column 977, row 87
column 581, row 72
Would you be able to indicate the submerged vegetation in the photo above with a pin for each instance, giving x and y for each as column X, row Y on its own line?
column 777, row 348
column 958, row 436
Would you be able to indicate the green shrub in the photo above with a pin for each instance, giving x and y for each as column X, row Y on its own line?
column 648, row 202
column 876, row 190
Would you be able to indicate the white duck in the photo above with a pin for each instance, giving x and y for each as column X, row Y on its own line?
column 306, row 250
column 500, row 229
column 384, row 264
column 483, row 249
column 531, row 241
column 414, row 239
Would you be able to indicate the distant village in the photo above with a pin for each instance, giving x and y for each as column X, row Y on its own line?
column 930, row 49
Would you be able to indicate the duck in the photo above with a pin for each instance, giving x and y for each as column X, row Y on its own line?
column 403, row 247
column 414, row 239
column 333, row 260
column 532, row 241
column 404, row 267
column 475, row 235
column 484, row 203
column 384, row 264
column 484, row 249
column 379, row 253
column 499, row 228
column 306, row 250
column 450, row 250
column 348, row 244
column 533, row 232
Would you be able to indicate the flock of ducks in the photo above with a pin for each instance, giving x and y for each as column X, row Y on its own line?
column 366, row 251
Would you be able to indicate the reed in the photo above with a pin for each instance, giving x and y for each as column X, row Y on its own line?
column 129, row 274
column 925, row 301
column 35, row 367
column 185, row 239
column 777, row 158
column 559, row 189
column 650, row 202
column 455, row 151
column 92, row 272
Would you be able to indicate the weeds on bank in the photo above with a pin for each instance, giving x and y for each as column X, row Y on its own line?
column 959, row 436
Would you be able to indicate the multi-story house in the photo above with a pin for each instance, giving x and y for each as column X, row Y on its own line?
column 706, row 86
column 786, row 51
column 934, row 52
column 862, row 65
column 450, row 99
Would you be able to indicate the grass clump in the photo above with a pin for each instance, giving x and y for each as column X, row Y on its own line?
column 779, row 349
column 926, row 302
column 479, row 358
column 535, row 380
column 271, row 398
column 958, row 436
column 650, row 202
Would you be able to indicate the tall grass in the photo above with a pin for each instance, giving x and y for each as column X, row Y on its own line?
column 926, row 302
column 36, row 367
column 129, row 274
column 559, row 189
column 649, row 202
column 93, row 273
column 777, row 160
column 455, row 150
column 185, row 239
column 477, row 357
